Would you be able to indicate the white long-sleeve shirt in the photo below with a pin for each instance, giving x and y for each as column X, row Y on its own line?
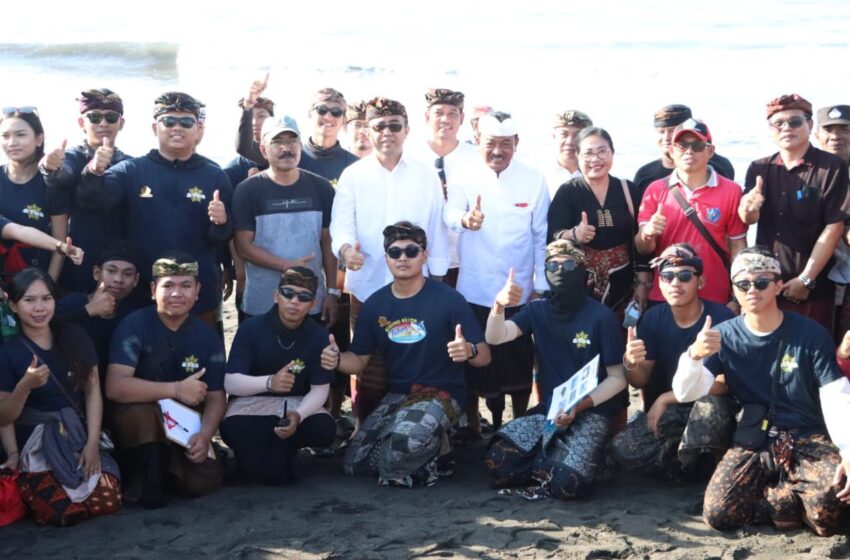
column 369, row 198
column 557, row 176
column 515, row 204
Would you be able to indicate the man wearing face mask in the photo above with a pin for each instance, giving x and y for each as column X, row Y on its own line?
column 569, row 330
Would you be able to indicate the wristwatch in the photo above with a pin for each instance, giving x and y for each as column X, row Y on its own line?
column 807, row 282
column 334, row 292
column 474, row 348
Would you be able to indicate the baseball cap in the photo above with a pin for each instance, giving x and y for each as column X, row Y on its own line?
column 273, row 126
column 834, row 114
column 694, row 126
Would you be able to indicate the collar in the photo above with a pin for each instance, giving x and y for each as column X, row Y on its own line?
column 807, row 159
column 195, row 161
column 277, row 326
column 674, row 180
column 319, row 151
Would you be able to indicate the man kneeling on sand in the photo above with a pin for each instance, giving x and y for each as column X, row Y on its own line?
column 426, row 331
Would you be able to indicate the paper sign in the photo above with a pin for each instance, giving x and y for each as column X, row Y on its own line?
column 180, row 422
column 573, row 390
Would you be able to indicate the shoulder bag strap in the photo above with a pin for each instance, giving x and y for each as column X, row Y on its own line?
column 691, row 214
column 628, row 196
column 58, row 381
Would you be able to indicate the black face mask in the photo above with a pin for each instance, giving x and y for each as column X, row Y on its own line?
column 569, row 289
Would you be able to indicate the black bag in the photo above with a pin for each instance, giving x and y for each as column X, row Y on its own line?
column 756, row 419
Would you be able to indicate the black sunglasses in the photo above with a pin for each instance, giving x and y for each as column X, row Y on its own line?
column 410, row 251
column 697, row 146
column 555, row 266
column 682, row 275
column 792, row 122
column 95, row 117
column 323, row 110
column 394, row 127
column 8, row 111
column 760, row 284
column 184, row 122
column 289, row 293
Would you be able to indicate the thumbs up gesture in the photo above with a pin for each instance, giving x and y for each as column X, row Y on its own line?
column 353, row 257
column 216, row 210
column 656, row 224
column 101, row 303
column 707, row 342
column 256, row 90
column 53, row 161
column 459, row 349
column 474, row 219
column 330, row 355
column 584, row 232
column 102, row 156
column 511, row 294
column 635, row 350
column 753, row 200
column 74, row 253
column 192, row 390
column 283, row 380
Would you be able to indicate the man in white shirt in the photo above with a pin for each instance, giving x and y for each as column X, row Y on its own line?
column 384, row 188
column 515, row 201
column 566, row 127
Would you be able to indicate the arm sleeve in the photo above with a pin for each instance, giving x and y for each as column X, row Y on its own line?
column 692, row 380
column 612, row 385
column 242, row 385
column 313, row 401
column 499, row 330
column 539, row 232
column 835, row 403
column 245, row 145
column 343, row 218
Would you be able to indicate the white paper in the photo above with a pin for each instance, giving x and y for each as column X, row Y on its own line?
column 180, row 421
column 570, row 392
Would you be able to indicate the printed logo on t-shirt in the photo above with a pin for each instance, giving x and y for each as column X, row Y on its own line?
column 33, row 212
column 297, row 366
column 788, row 364
column 712, row 215
column 406, row 330
column 581, row 339
column 195, row 194
column 334, row 182
column 190, row 364
column 145, row 192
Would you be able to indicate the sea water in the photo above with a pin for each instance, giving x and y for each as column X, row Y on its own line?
column 618, row 61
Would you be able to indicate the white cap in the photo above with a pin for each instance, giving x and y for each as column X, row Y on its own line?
column 488, row 125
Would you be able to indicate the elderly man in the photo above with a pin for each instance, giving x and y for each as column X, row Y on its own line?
column 833, row 132
column 498, row 206
column 798, row 198
column 386, row 187
column 790, row 462
column 566, row 127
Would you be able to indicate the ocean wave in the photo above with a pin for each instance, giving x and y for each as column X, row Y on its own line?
column 127, row 50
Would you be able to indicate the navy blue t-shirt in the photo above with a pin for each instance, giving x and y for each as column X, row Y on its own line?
column 15, row 358
column 31, row 204
column 565, row 345
column 263, row 345
column 160, row 354
column 412, row 334
column 237, row 170
column 328, row 163
column 808, row 363
column 665, row 341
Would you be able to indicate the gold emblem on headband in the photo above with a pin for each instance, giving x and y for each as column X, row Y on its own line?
column 33, row 212
column 145, row 192
column 190, row 364
column 195, row 194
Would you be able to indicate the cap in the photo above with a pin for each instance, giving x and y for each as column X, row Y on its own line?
column 694, row 126
column 672, row 115
column 834, row 114
column 488, row 125
column 273, row 126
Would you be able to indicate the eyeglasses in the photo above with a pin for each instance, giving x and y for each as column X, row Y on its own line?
column 394, row 127
column 684, row 276
column 697, row 146
column 410, row 251
column 95, row 117
column 171, row 122
column 323, row 110
column 289, row 293
column 759, row 283
column 555, row 266
column 792, row 122
column 9, row 111
column 286, row 142
column 601, row 153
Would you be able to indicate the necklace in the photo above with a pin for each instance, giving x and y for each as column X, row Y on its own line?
column 280, row 343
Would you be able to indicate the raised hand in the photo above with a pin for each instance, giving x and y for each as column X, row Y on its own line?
column 707, row 342
column 753, row 200
column 102, row 303
column 635, row 350
column 216, row 210
column 584, row 231
column 283, row 380
column 656, row 224
column 53, row 161
column 354, row 259
column 74, row 253
column 330, row 355
column 36, row 375
column 459, row 350
column 511, row 294
column 256, row 90
column 474, row 219
column 192, row 390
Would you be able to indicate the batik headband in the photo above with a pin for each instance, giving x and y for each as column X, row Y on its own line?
column 677, row 256
column 565, row 248
column 170, row 267
column 752, row 262
column 301, row 277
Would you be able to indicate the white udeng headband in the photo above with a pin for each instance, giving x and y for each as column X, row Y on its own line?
column 489, row 125
column 754, row 263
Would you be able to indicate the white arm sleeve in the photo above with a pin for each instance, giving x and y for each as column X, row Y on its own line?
column 610, row 386
column 500, row 331
column 241, row 385
column 692, row 379
column 313, row 401
column 835, row 403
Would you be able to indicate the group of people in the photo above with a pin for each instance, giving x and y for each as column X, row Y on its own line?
column 417, row 280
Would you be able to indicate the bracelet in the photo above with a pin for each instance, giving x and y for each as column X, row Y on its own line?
column 575, row 239
column 59, row 248
column 269, row 383
column 15, row 452
column 334, row 292
column 625, row 365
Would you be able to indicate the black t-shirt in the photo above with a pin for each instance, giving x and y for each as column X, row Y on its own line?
column 263, row 345
column 655, row 170
column 565, row 345
column 808, row 363
column 237, row 170
column 328, row 163
column 157, row 353
column 665, row 341
column 15, row 359
column 412, row 334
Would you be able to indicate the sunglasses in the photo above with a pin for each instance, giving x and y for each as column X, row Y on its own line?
column 394, row 127
column 760, row 284
column 793, row 122
column 95, row 117
column 697, row 146
column 323, row 110
column 555, row 266
column 289, row 293
column 9, row 111
column 683, row 275
column 410, row 251
column 171, row 122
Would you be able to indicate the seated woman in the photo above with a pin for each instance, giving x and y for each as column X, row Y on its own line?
column 49, row 386
column 569, row 329
column 274, row 374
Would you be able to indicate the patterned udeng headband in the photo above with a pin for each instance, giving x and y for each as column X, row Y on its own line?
column 566, row 248
column 747, row 262
column 170, row 267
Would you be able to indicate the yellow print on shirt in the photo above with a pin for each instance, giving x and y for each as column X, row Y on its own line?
column 190, row 364
column 33, row 212
column 582, row 339
column 789, row 364
column 195, row 194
